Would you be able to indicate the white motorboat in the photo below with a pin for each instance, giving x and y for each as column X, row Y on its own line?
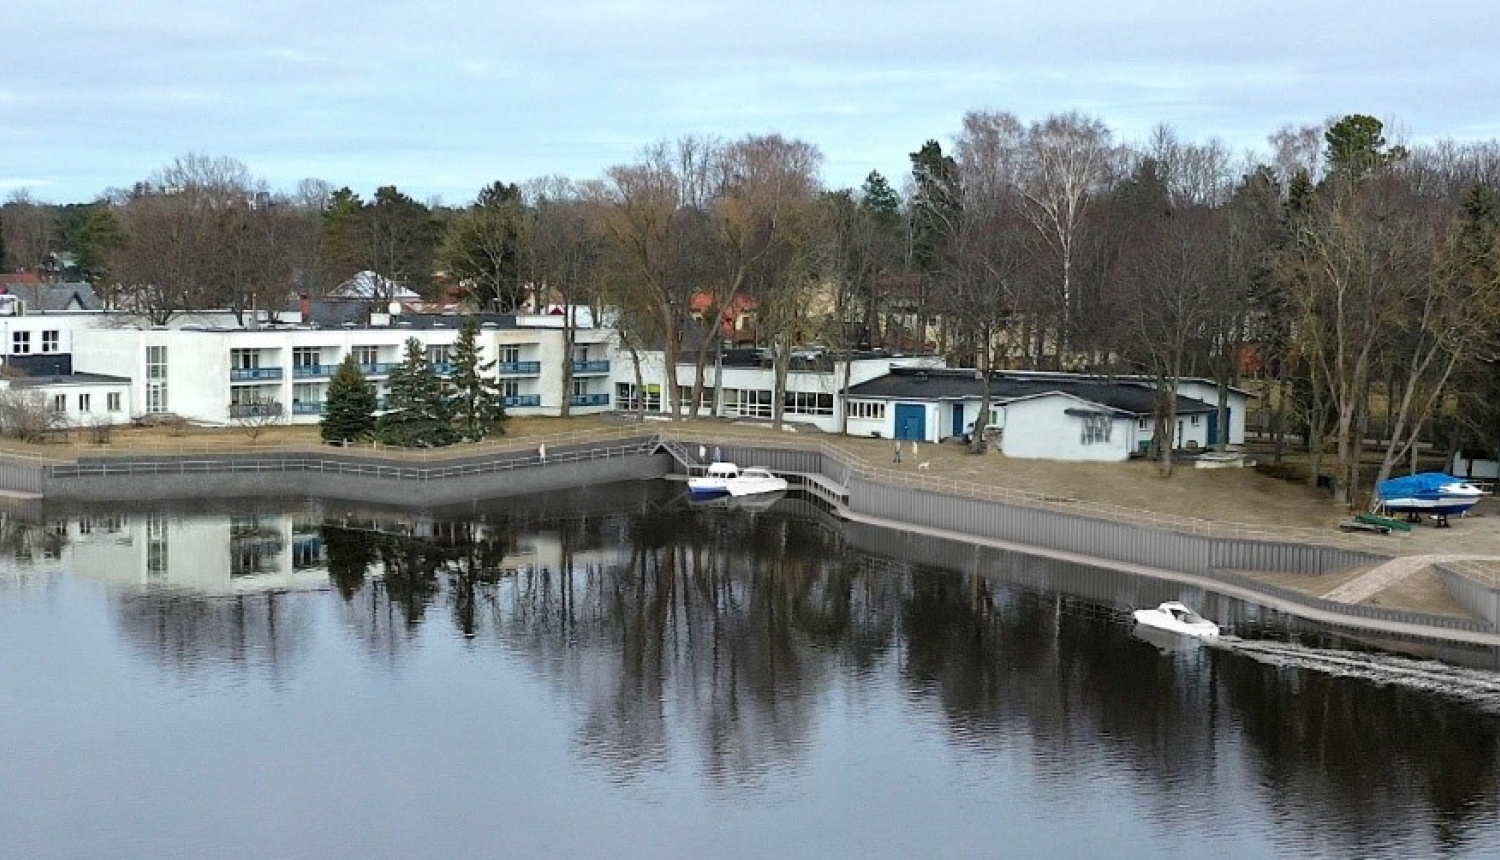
column 753, row 481
column 714, row 482
column 1177, row 618
column 1431, row 493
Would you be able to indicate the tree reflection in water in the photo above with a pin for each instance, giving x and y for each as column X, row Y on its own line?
column 671, row 626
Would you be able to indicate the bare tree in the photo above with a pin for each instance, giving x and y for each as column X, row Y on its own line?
column 27, row 415
column 564, row 254
column 1069, row 160
column 29, row 232
column 652, row 215
column 256, row 413
column 762, row 203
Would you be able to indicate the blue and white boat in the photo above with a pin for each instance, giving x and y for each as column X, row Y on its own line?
column 714, row 482
column 1435, row 493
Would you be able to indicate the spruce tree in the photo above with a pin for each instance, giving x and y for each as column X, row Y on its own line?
column 417, row 413
column 351, row 405
column 478, row 407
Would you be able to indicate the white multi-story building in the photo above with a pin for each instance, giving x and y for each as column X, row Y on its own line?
column 220, row 375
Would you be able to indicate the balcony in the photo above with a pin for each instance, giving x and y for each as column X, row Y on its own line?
column 381, row 368
column 309, row 408
column 591, row 399
column 305, row 371
column 254, row 374
column 519, row 368
column 441, row 368
column 587, row 367
column 522, row 401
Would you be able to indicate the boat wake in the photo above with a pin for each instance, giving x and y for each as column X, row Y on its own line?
column 1475, row 686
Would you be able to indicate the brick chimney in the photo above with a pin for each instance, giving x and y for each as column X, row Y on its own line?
column 306, row 307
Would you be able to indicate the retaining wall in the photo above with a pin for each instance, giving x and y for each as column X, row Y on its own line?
column 352, row 476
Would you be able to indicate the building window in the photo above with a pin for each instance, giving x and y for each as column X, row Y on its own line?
column 244, row 359
column 439, row 355
column 112, row 401
column 1095, row 429
column 748, row 402
column 580, row 387
column 627, row 396
column 1141, row 424
column 59, row 403
column 807, row 403
column 20, row 343
column 510, row 388
column 1193, row 420
column 869, row 409
column 50, row 341
column 510, row 354
column 307, row 392
column 156, row 379
column 366, row 355
column 307, row 356
column 84, row 403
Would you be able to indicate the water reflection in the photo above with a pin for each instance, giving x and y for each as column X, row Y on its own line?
column 726, row 634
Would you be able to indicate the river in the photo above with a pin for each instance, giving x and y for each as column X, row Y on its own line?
column 617, row 672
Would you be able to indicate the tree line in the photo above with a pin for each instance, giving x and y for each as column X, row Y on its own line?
column 1354, row 278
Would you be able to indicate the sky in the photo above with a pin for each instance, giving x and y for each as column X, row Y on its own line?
column 443, row 98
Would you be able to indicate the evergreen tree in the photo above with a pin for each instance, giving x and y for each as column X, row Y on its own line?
column 351, row 405
column 478, row 408
column 3, row 267
column 418, row 413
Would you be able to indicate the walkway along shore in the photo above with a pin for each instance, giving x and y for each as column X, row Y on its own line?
column 1250, row 562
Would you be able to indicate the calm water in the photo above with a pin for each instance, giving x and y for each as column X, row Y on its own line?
column 622, row 674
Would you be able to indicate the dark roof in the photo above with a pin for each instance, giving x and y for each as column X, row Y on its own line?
column 909, row 383
column 70, row 295
column 355, row 313
column 69, row 379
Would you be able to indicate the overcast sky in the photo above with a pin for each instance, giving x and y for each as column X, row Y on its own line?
column 442, row 98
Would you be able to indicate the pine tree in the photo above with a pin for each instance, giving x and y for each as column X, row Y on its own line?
column 351, row 405
column 478, row 408
column 417, row 409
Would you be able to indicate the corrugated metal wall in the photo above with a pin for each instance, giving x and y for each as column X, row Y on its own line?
column 21, row 476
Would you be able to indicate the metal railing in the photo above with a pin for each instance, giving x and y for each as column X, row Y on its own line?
column 519, row 368
column 306, row 371
column 246, row 374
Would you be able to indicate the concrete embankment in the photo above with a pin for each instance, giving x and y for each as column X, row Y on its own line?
column 1224, row 560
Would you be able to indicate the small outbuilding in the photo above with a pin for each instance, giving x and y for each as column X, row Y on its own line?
column 1032, row 415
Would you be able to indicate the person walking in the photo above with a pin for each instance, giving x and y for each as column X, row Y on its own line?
column 896, row 458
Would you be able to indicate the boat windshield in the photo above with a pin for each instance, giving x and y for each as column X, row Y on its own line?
column 1187, row 616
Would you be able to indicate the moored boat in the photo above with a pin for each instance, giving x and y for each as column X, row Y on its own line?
column 713, row 482
column 755, row 480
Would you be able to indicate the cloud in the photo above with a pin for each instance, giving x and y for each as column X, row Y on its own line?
column 443, row 98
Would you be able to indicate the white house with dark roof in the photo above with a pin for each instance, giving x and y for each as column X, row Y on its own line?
column 1034, row 415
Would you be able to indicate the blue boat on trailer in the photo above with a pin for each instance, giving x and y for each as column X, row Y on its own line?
column 1434, row 493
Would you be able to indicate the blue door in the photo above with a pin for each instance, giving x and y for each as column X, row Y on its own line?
column 1213, row 425
column 911, row 421
column 958, row 419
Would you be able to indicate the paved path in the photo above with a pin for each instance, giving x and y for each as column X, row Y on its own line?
column 1364, row 587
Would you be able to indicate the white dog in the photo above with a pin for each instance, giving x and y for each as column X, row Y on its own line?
column 925, row 464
